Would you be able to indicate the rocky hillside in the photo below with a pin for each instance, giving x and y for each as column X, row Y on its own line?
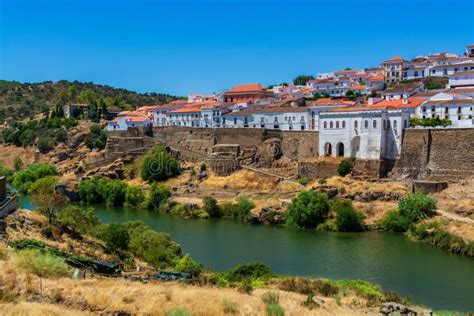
column 25, row 100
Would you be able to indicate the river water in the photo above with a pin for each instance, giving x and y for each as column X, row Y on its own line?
column 427, row 275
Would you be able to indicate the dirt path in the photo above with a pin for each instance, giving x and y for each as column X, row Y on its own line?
column 456, row 217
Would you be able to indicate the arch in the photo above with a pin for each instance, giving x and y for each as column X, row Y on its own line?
column 337, row 124
column 327, row 149
column 340, row 150
column 325, row 124
column 374, row 124
column 366, row 124
column 343, row 124
column 356, row 124
column 330, row 125
column 355, row 146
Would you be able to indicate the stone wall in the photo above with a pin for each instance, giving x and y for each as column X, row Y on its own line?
column 441, row 153
column 318, row 169
column 300, row 145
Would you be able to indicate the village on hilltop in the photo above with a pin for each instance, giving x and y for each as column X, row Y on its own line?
column 358, row 113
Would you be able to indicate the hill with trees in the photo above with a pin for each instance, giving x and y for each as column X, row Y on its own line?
column 25, row 100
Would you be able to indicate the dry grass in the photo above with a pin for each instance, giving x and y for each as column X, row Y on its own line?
column 109, row 296
column 458, row 196
column 242, row 180
column 9, row 153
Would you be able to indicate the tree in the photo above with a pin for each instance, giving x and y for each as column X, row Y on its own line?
column 211, row 207
column 47, row 199
column 115, row 236
column 81, row 220
column 18, row 163
column 347, row 218
column 134, row 197
column 97, row 138
column 302, row 80
column 307, row 210
column 158, row 165
column 158, row 195
column 188, row 265
column 345, row 167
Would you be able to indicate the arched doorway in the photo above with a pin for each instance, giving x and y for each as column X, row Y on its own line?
column 340, row 150
column 355, row 146
column 327, row 149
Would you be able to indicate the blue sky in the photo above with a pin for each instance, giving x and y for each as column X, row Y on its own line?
column 179, row 46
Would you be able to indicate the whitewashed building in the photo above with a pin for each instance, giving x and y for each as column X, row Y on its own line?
column 362, row 132
column 461, row 78
column 122, row 123
column 187, row 116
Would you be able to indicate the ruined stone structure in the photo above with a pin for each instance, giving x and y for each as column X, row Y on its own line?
column 441, row 153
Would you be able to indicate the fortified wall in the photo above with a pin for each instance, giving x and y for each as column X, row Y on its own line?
column 436, row 153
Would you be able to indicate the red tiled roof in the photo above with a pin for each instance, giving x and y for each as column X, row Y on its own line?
column 136, row 118
column 376, row 78
column 396, row 58
column 359, row 87
column 247, row 87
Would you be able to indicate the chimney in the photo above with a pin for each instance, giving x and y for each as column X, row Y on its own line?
column 371, row 101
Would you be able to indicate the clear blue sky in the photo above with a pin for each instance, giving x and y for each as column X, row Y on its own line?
column 179, row 46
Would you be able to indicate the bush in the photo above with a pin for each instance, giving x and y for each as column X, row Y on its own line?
column 347, row 218
column 26, row 177
column 308, row 286
column 158, row 195
column 394, row 222
column 188, row 265
column 5, row 172
column 211, row 207
column 303, row 180
column 416, row 206
column 41, row 264
column 251, row 270
column 17, row 164
column 98, row 190
column 244, row 206
column 274, row 310
column 113, row 192
column 329, row 225
column 115, row 236
column 45, row 144
column 345, row 167
column 134, row 197
column 81, row 220
column 47, row 232
column 97, row 138
column 178, row 312
column 158, row 165
column 307, row 210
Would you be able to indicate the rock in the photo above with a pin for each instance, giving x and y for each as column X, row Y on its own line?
column 392, row 307
column 272, row 215
column 331, row 191
column 254, row 219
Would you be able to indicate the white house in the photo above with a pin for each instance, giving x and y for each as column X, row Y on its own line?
column 450, row 69
column 456, row 108
column 122, row 123
column 186, row 116
column 212, row 115
column 461, row 78
column 401, row 91
column 362, row 132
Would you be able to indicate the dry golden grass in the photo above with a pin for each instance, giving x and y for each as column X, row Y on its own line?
column 9, row 153
column 108, row 296
column 243, row 180
column 458, row 196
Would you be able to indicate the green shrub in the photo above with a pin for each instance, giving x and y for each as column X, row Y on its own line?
column 41, row 264
column 5, row 172
column 178, row 312
column 251, row 270
column 416, row 206
column 308, row 286
column 303, row 180
column 115, row 236
column 90, row 190
column 274, row 310
column 394, row 222
column 372, row 292
column 18, row 164
column 158, row 165
column 211, row 206
column 158, row 195
column 45, row 144
column 134, row 197
column 307, row 210
column 345, row 167
column 158, row 249
column 79, row 219
column 113, row 192
column 26, row 177
column 329, row 225
column 347, row 218
column 188, row 265
column 97, row 137
column 244, row 206
column 47, row 232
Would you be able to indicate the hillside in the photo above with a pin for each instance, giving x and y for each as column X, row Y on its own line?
column 25, row 100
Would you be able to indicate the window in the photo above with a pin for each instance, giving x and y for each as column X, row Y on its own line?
column 330, row 125
column 325, row 124
column 366, row 124
column 388, row 124
column 405, row 123
column 395, row 124
column 343, row 124
column 356, row 124
column 374, row 124
column 337, row 124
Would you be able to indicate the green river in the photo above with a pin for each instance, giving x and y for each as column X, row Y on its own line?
column 427, row 275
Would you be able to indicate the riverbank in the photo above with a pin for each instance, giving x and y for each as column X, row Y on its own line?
column 30, row 289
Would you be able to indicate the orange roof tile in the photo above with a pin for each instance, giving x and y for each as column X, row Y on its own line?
column 396, row 58
column 376, row 78
column 136, row 118
column 247, row 87
column 359, row 87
